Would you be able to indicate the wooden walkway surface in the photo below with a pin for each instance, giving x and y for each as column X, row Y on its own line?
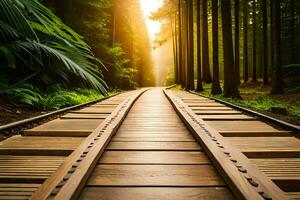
column 153, row 154
column 156, row 152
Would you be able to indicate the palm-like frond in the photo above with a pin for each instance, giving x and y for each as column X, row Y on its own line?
column 66, row 55
column 31, row 33
column 52, row 23
column 14, row 17
column 8, row 33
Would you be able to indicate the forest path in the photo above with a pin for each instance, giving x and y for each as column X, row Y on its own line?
column 152, row 144
column 154, row 156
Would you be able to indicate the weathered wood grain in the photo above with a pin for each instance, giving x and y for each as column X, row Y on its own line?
column 151, row 193
column 236, row 169
column 154, row 175
column 154, row 157
column 38, row 145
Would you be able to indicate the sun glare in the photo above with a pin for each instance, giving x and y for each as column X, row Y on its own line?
column 148, row 7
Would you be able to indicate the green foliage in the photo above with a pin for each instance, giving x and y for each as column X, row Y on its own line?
column 79, row 96
column 170, row 80
column 121, row 75
column 36, row 46
column 261, row 101
column 24, row 94
column 94, row 20
column 55, row 98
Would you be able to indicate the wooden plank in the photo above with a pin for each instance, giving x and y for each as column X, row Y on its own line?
column 104, row 103
column 186, row 96
column 103, row 106
column 131, row 120
column 197, row 104
column 293, row 195
column 15, row 191
column 285, row 172
column 240, row 174
column 7, row 158
column 151, row 135
column 14, row 197
column 151, row 193
column 84, row 116
column 153, row 132
column 254, row 133
column 240, row 126
column 225, row 117
column 95, row 110
column 267, row 146
column 153, row 126
column 59, row 133
column 154, row 175
column 54, row 146
column 65, row 127
column 215, row 108
column 153, row 129
column 184, row 99
column 69, row 179
column 152, row 139
column 153, row 157
column 134, row 123
column 33, row 169
column 151, row 116
column 155, row 146
column 198, row 101
column 18, row 186
column 216, row 112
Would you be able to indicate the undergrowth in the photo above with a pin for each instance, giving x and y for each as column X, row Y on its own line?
column 260, row 99
column 54, row 98
column 263, row 102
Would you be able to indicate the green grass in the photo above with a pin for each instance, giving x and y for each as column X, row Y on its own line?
column 55, row 98
column 261, row 100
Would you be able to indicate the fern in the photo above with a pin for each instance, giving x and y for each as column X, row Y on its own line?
column 32, row 35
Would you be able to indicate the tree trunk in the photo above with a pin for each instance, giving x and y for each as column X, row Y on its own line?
column 277, row 87
column 237, row 38
column 180, row 47
column 230, row 84
column 184, row 44
column 272, row 41
column 245, row 47
column 265, row 43
column 176, row 50
column 293, row 42
column 205, row 46
column 199, row 60
column 173, row 31
column 216, row 89
column 190, row 49
column 254, row 78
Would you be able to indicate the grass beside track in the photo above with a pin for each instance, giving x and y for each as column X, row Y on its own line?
column 258, row 98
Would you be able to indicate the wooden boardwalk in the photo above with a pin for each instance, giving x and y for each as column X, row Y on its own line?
column 154, row 154
column 152, row 144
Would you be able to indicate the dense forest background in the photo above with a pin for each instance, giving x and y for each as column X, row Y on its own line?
column 55, row 54
column 251, row 22
column 117, row 34
column 240, row 51
column 60, row 53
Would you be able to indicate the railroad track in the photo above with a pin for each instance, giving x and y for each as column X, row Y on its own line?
column 152, row 144
column 16, row 127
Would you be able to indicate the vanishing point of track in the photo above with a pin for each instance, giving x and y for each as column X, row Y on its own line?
column 152, row 144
